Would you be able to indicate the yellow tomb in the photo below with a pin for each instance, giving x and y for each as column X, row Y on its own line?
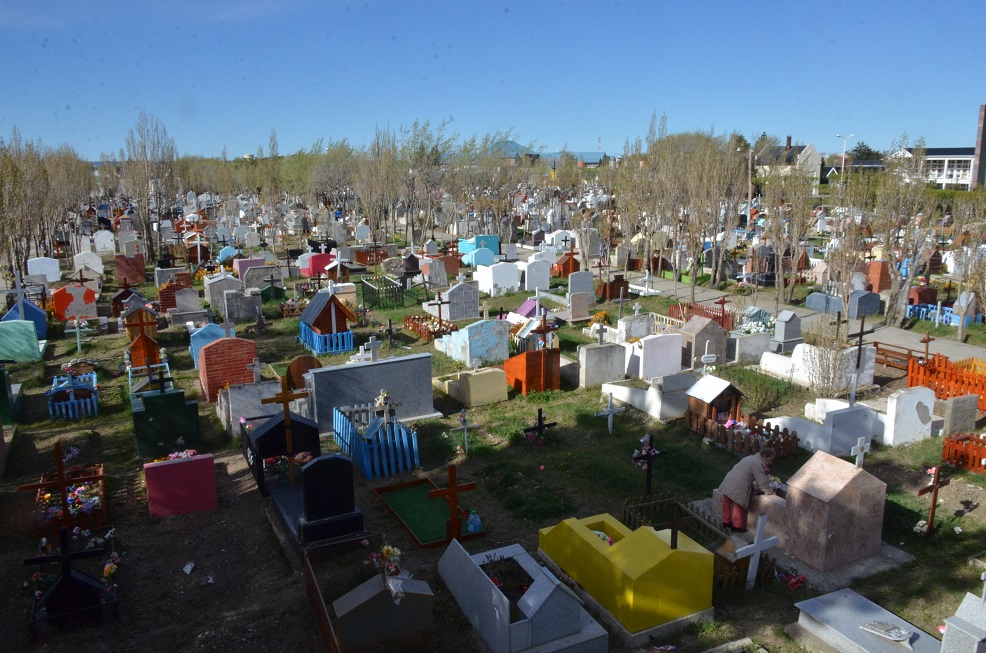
column 639, row 579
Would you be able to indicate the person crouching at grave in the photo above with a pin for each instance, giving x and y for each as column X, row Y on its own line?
column 737, row 487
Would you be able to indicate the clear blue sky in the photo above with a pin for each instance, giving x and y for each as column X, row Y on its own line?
column 559, row 73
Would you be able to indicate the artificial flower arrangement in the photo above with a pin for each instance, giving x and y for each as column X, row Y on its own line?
column 187, row 453
column 110, row 566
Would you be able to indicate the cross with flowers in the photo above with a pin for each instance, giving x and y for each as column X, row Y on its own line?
column 285, row 397
column 61, row 484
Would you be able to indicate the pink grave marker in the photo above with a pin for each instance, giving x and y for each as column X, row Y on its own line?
column 183, row 485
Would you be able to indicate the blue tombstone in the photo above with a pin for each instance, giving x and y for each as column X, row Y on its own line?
column 478, row 257
column 226, row 253
column 203, row 336
column 32, row 313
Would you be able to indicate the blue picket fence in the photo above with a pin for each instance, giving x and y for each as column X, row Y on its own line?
column 386, row 449
column 73, row 397
column 330, row 343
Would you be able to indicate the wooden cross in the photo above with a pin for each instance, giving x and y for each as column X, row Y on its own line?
column 60, row 483
column 760, row 544
column 926, row 340
column 464, row 421
column 647, row 455
column 937, row 482
column 81, row 276
column 452, row 528
column 862, row 446
column 539, row 426
column 256, row 366
column 608, row 412
column 372, row 345
column 285, row 397
column 677, row 521
column 140, row 324
column 227, row 328
column 543, row 331
column 65, row 555
column 439, row 303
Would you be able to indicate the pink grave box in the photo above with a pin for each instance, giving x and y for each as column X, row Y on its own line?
column 175, row 487
column 317, row 264
column 241, row 265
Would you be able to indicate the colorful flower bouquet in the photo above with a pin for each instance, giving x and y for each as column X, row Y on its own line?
column 86, row 502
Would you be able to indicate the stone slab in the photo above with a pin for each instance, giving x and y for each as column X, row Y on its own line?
column 961, row 414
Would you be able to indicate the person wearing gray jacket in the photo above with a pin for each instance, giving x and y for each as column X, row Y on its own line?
column 738, row 485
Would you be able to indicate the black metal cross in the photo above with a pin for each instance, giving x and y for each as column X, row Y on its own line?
column 161, row 380
column 389, row 331
column 65, row 555
column 646, row 456
column 539, row 427
column 439, row 303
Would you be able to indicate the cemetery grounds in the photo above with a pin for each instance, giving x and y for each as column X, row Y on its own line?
column 255, row 600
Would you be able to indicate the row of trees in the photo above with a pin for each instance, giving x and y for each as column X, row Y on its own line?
column 673, row 193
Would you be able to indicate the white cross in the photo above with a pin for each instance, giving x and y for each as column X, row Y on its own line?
column 794, row 368
column 609, row 412
column 465, row 432
column 601, row 330
column 760, row 544
column 862, row 446
column 321, row 247
column 636, row 308
column 361, row 356
column 982, row 577
column 486, row 310
column 461, row 277
column 331, row 287
column 372, row 345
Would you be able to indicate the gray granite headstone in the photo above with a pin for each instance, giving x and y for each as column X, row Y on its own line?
column 819, row 301
column 407, row 379
column 966, row 631
column 581, row 281
column 164, row 275
column 837, row 619
column 961, row 414
column 845, row 426
column 862, row 302
column 437, row 275
column 187, row 300
column 242, row 306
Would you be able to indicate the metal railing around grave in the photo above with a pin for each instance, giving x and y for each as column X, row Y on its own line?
column 382, row 292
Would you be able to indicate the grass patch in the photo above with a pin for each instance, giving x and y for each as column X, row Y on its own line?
column 762, row 392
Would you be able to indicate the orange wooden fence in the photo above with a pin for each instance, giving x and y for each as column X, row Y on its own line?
column 746, row 441
column 721, row 316
column 965, row 451
column 946, row 379
column 973, row 365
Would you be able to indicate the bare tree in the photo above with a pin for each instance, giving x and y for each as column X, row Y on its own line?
column 905, row 220
column 150, row 155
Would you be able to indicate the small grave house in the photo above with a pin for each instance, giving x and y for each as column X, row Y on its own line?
column 714, row 398
column 324, row 325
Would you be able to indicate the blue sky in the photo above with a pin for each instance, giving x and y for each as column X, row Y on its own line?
column 558, row 73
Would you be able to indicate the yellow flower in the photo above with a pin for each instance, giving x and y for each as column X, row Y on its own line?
column 109, row 569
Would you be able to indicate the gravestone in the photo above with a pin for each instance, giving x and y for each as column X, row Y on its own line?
column 835, row 622
column 242, row 306
column 363, row 233
column 480, row 343
column 130, row 269
column 32, row 313
column 226, row 253
column 747, row 347
column 104, row 243
column 862, row 302
column 241, row 265
column 660, row 355
column 188, row 308
column 131, row 248
column 258, row 277
column 787, row 333
column 324, row 507
column 600, row 364
column 73, row 302
column 463, row 303
column 475, row 388
column 84, row 244
column 578, row 304
column 298, row 368
column 216, row 287
column 537, row 275
column 479, row 257
column 251, row 239
column 224, row 362
column 961, row 414
column 90, row 260
column 164, row 275
column 202, row 337
column 700, row 335
column 19, row 341
column 819, row 273
column 496, row 279
column 966, row 631
column 437, row 276
column 45, row 266
column 581, row 282
column 396, row 621
column 831, row 515
column 407, row 380
column 510, row 252
column 634, row 326
column 165, row 422
column 551, row 616
column 909, row 416
column 819, row 301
